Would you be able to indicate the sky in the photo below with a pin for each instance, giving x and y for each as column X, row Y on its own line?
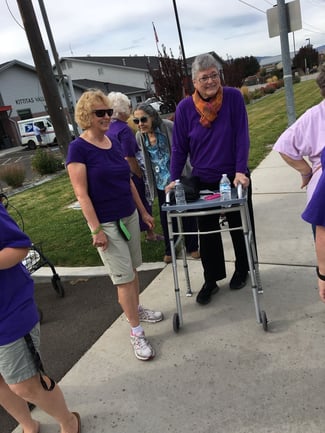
column 231, row 28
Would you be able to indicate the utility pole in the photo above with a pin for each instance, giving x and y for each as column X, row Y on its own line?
column 286, row 61
column 70, row 107
column 188, row 82
column 45, row 74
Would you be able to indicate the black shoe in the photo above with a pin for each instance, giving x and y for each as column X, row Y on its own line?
column 204, row 295
column 238, row 280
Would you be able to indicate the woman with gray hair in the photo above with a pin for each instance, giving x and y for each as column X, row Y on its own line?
column 306, row 138
column 155, row 140
column 120, row 128
column 211, row 127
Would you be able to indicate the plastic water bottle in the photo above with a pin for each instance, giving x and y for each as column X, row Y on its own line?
column 225, row 188
column 179, row 193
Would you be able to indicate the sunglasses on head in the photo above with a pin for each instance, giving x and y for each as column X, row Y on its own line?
column 101, row 113
column 143, row 119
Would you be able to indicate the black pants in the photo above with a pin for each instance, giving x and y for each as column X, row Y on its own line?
column 189, row 225
column 211, row 247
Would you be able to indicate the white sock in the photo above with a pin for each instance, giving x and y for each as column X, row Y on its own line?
column 138, row 330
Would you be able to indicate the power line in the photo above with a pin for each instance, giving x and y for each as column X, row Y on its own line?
column 254, row 7
column 13, row 17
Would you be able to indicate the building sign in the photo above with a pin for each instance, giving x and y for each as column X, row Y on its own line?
column 30, row 100
column 293, row 14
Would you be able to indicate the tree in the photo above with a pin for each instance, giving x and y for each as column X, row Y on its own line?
column 306, row 58
column 168, row 78
column 236, row 70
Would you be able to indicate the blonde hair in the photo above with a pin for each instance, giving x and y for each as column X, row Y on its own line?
column 85, row 104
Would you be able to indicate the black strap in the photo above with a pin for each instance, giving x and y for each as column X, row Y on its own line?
column 320, row 276
column 38, row 363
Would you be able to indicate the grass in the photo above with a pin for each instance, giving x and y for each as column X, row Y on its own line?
column 63, row 233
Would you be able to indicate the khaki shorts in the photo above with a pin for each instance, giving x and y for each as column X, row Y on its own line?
column 16, row 361
column 121, row 257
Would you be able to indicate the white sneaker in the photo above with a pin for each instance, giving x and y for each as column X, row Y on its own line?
column 150, row 316
column 142, row 348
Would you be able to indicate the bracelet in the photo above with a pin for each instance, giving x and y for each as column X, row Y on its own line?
column 96, row 231
column 320, row 276
column 307, row 175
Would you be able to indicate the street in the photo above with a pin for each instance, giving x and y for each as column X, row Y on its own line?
column 24, row 157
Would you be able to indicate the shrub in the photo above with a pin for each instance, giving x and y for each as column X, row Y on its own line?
column 13, row 174
column 296, row 79
column 44, row 162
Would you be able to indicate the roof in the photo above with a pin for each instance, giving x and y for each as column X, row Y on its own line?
column 85, row 84
column 137, row 62
column 11, row 63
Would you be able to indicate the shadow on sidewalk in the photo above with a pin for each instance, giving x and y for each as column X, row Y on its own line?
column 71, row 325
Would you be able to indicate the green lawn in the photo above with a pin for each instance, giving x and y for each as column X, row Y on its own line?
column 63, row 233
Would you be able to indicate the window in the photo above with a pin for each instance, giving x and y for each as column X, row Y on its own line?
column 25, row 114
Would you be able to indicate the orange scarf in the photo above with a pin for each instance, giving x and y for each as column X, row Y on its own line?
column 208, row 110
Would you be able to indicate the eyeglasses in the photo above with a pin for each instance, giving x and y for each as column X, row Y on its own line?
column 143, row 119
column 101, row 113
column 206, row 78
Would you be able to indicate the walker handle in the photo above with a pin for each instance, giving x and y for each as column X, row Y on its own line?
column 240, row 190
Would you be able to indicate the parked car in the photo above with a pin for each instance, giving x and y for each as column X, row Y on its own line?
column 159, row 105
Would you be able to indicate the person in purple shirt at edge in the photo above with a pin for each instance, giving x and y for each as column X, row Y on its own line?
column 20, row 379
column 119, row 127
column 102, row 183
column 315, row 215
column 211, row 126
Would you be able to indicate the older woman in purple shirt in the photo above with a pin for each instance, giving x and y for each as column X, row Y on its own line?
column 211, row 127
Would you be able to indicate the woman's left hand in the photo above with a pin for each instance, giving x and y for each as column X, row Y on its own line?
column 241, row 178
column 149, row 220
column 100, row 240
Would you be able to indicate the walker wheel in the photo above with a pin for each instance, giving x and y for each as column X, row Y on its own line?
column 264, row 320
column 57, row 285
column 176, row 322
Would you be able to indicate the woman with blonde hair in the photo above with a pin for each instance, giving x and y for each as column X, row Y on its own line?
column 101, row 180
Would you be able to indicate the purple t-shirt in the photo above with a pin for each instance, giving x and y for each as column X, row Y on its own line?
column 18, row 311
column 108, row 178
column 315, row 210
column 123, row 132
column 222, row 148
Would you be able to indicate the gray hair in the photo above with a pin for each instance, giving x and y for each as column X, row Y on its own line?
column 120, row 103
column 148, row 109
column 203, row 62
column 320, row 80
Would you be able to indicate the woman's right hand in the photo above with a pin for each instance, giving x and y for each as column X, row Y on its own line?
column 170, row 187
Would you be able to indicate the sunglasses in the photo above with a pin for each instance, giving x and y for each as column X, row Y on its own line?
column 143, row 119
column 101, row 113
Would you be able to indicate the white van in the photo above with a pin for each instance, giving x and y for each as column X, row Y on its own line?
column 44, row 123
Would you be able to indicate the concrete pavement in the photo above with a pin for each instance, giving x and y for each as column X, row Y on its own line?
column 221, row 373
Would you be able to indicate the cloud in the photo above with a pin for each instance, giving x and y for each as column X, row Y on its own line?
column 97, row 28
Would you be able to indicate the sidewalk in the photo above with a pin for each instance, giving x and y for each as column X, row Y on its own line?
column 221, row 373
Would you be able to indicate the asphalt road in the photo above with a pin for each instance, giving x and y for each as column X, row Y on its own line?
column 71, row 325
column 24, row 157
